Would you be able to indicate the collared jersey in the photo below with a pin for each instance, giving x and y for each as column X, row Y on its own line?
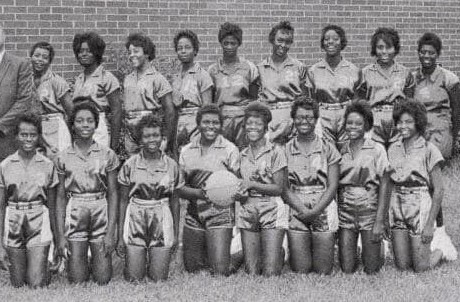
column 27, row 183
column 98, row 86
column 270, row 159
column 333, row 86
column 364, row 169
column 145, row 179
column 309, row 168
column 283, row 83
column 86, row 173
column 434, row 90
column 413, row 167
column 381, row 88
column 196, row 167
column 188, row 89
column 232, row 84
column 50, row 92
column 145, row 92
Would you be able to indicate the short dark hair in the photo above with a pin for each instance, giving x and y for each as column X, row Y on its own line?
column 28, row 118
column 283, row 25
column 362, row 108
column 339, row 30
column 148, row 121
column 230, row 29
column 189, row 35
column 415, row 109
column 258, row 109
column 83, row 103
column 141, row 40
column 389, row 35
column 43, row 45
column 209, row 109
column 305, row 103
column 95, row 43
column 430, row 39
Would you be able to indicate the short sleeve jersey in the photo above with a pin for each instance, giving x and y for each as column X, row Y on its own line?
column 364, row 169
column 144, row 92
column 86, row 173
column 50, row 92
column 232, row 84
column 188, row 89
column 283, row 83
column 412, row 167
column 309, row 168
column 327, row 85
column 145, row 180
column 27, row 183
column 434, row 90
column 98, row 85
column 270, row 159
column 381, row 88
column 197, row 167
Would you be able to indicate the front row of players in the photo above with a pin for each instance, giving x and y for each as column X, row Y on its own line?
column 77, row 198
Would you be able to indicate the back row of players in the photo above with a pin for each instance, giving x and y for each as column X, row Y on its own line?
column 80, row 189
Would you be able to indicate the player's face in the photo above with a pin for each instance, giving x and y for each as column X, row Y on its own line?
column 84, row 124
column 229, row 46
column 385, row 53
column 406, row 126
column 355, row 126
column 185, row 51
column 27, row 137
column 255, row 128
column 40, row 59
column 210, row 126
column 151, row 139
column 85, row 56
column 332, row 44
column 304, row 121
column 428, row 56
column 282, row 42
column 137, row 57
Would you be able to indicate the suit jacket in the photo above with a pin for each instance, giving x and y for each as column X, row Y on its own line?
column 17, row 91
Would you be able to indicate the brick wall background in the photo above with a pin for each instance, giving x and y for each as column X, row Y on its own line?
column 56, row 21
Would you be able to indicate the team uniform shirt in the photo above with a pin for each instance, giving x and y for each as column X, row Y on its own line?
column 148, row 221
column 196, row 168
column 359, row 184
column 435, row 92
column 411, row 200
column 51, row 90
column 27, row 221
column 260, row 211
column 307, row 175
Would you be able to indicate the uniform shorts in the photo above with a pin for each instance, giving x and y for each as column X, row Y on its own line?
column 409, row 208
column 55, row 133
column 263, row 212
column 186, row 126
column 331, row 122
column 102, row 133
column 357, row 208
column 384, row 129
column 439, row 132
column 86, row 217
column 233, row 125
column 281, row 126
column 310, row 196
column 148, row 223
column 203, row 215
column 27, row 224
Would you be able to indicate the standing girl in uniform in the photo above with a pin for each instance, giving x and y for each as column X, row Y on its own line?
column 149, row 210
column 28, row 183
column 87, row 199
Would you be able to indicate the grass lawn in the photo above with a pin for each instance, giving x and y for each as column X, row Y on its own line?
column 441, row 284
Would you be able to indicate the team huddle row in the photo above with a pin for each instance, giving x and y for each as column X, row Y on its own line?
column 320, row 153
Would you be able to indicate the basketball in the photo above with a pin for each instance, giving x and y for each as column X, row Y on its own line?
column 221, row 186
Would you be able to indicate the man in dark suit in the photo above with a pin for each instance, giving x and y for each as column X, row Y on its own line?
column 17, row 95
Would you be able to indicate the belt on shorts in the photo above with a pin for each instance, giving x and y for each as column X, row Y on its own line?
column 383, row 108
column 149, row 202
column 233, row 109
column 280, row 105
column 254, row 193
column 25, row 205
column 86, row 196
column 333, row 106
column 410, row 190
column 51, row 116
column 308, row 189
column 137, row 113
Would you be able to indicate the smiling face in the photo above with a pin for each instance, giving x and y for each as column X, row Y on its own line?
column 40, row 59
column 210, row 126
column 282, row 43
column 27, row 137
column 305, row 121
column 151, row 139
column 137, row 57
column 332, row 44
column 85, row 56
column 255, row 128
column 428, row 56
column 385, row 53
column 185, row 51
column 84, row 124
column 406, row 126
column 355, row 126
